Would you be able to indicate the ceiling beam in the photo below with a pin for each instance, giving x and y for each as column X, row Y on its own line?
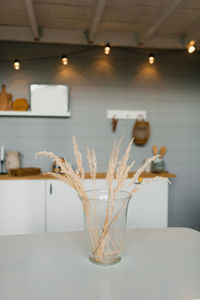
column 32, row 19
column 96, row 19
column 161, row 12
column 76, row 37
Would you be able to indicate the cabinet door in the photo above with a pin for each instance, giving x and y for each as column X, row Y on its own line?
column 22, row 205
column 148, row 208
column 64, row 208
column 91, row 185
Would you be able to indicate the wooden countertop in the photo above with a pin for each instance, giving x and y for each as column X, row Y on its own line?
column 99, row 176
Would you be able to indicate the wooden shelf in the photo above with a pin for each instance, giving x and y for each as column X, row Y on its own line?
column 131, row 174
column 11, row 113
column 87, row 176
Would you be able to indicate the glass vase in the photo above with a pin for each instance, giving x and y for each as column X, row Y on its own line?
column 105, row 216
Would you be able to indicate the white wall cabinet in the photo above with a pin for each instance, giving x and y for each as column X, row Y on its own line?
column 32, row 206
column 22, row 206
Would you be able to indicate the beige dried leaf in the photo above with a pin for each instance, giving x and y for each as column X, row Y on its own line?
column 78, row 157
column 123, row 169
column 112, row 165
column 141, row 169
column 94, row 161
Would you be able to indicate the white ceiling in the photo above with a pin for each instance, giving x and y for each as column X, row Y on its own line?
column 161, row 24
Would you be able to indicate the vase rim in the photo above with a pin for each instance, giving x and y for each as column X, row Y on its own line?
column 128, row 195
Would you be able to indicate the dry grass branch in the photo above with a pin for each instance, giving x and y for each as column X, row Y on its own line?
column 69, row 176
column 123, row 169
column 112, row 165
column 94, row 161
column 141, row 169
column 78, row 157
column 100, row 237
column 91, row 157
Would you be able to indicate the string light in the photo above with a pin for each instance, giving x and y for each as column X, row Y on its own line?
column 151, row 59
column 107, row 49
column 191, row 47
column 16, row 64
column 64, row 60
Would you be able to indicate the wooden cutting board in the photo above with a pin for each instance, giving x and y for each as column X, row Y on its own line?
column 5, row 99
column 24, row 171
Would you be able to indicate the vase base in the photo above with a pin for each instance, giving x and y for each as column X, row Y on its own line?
column 105, row 262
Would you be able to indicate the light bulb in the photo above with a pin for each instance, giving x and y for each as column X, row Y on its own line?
column 191, row 48
column 64, row 60
column 107, row 49
column 16, row 64
column 151, row 59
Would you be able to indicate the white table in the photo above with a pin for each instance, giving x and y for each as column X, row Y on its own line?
column 158, row 264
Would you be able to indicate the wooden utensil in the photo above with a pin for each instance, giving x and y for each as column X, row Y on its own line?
column 155, row 150
column 20, row 104
column 5, row 99
column 24, row 171
column 163, row 151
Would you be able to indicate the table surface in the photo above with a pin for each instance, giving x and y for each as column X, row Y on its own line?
column 158, row 264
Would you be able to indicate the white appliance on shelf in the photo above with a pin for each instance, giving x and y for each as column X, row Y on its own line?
column 49, row 99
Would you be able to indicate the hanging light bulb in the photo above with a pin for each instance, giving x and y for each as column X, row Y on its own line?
column 107, row 49
column 191, row 47
column 64, row 60
column 151, row 59
column 16, row 64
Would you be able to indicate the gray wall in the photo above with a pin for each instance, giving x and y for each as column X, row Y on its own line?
column 169, row 92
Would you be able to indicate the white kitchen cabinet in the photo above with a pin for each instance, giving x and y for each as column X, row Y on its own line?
column 63, row 208
column 22, row 206
column 91, row 185
column 32, row 206
column 148, row 208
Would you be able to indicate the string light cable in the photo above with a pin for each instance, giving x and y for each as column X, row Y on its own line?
column 65, row 57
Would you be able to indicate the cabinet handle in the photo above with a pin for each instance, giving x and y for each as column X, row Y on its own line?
column 50, row 188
